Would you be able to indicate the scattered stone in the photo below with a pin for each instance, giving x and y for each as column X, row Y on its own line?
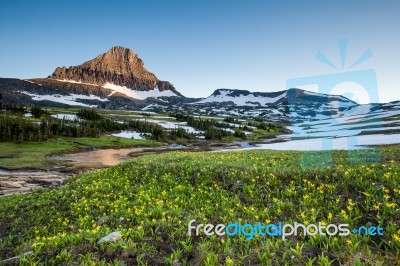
column 21, row 182
column 112, row 237
column 32, row 186
column 9, row 191
column 176, row 263
column 13, row 260
column 56, row 183
column 102, row 220
column 47, row 179
column 10, row 184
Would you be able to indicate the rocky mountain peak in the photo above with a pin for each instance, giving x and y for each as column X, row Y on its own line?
column 119, row 60
column 119, row 66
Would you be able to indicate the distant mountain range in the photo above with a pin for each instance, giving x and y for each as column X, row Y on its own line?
column 118, row 79
column 270, row 99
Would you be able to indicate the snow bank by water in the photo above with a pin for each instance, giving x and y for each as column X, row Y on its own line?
column 348, row 125
column 128, row 135
column 71, row 117
column 344, row 143
column 174, row 125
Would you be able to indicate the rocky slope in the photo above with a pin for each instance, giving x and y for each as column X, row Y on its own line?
column 119, row 66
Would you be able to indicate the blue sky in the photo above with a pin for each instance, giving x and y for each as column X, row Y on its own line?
column 200, row 46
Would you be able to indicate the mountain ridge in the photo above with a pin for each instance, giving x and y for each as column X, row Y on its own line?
column 241, row 97
column 118, row 79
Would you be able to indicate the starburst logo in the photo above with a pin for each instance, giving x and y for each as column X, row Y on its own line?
column 352, row 88
column 345, row 93
column 359, row 86
column 343, row 44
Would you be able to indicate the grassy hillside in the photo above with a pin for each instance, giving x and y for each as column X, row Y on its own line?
column 151, row 200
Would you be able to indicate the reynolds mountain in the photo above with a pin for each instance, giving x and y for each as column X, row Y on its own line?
column 119, row 66
column 115, row 79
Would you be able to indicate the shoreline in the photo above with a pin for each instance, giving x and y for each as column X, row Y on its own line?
column 63, row 165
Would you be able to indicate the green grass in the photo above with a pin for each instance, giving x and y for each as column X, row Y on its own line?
column 157, row 195
column 18, row 116
column 28, row 155
column 258, row 134
column 60, row 110
column 70, row 110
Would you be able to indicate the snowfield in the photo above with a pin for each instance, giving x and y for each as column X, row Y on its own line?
column 140, row 95
column 342, row 131
column 343, row 143
column 241, row 100
column 71, row 117
column 174, row 125
column 128, row 135
column 74, row 81
column 66, row 99
column 347, row 124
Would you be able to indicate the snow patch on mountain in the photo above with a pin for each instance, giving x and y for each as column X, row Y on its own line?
column 141, row 95
column 341, row 97
column 135, row 94
column 74, row 81
column 66, row 99
column 359, row 110
column 242, row 100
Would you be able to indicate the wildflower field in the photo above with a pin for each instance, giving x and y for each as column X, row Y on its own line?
column 151, row 200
